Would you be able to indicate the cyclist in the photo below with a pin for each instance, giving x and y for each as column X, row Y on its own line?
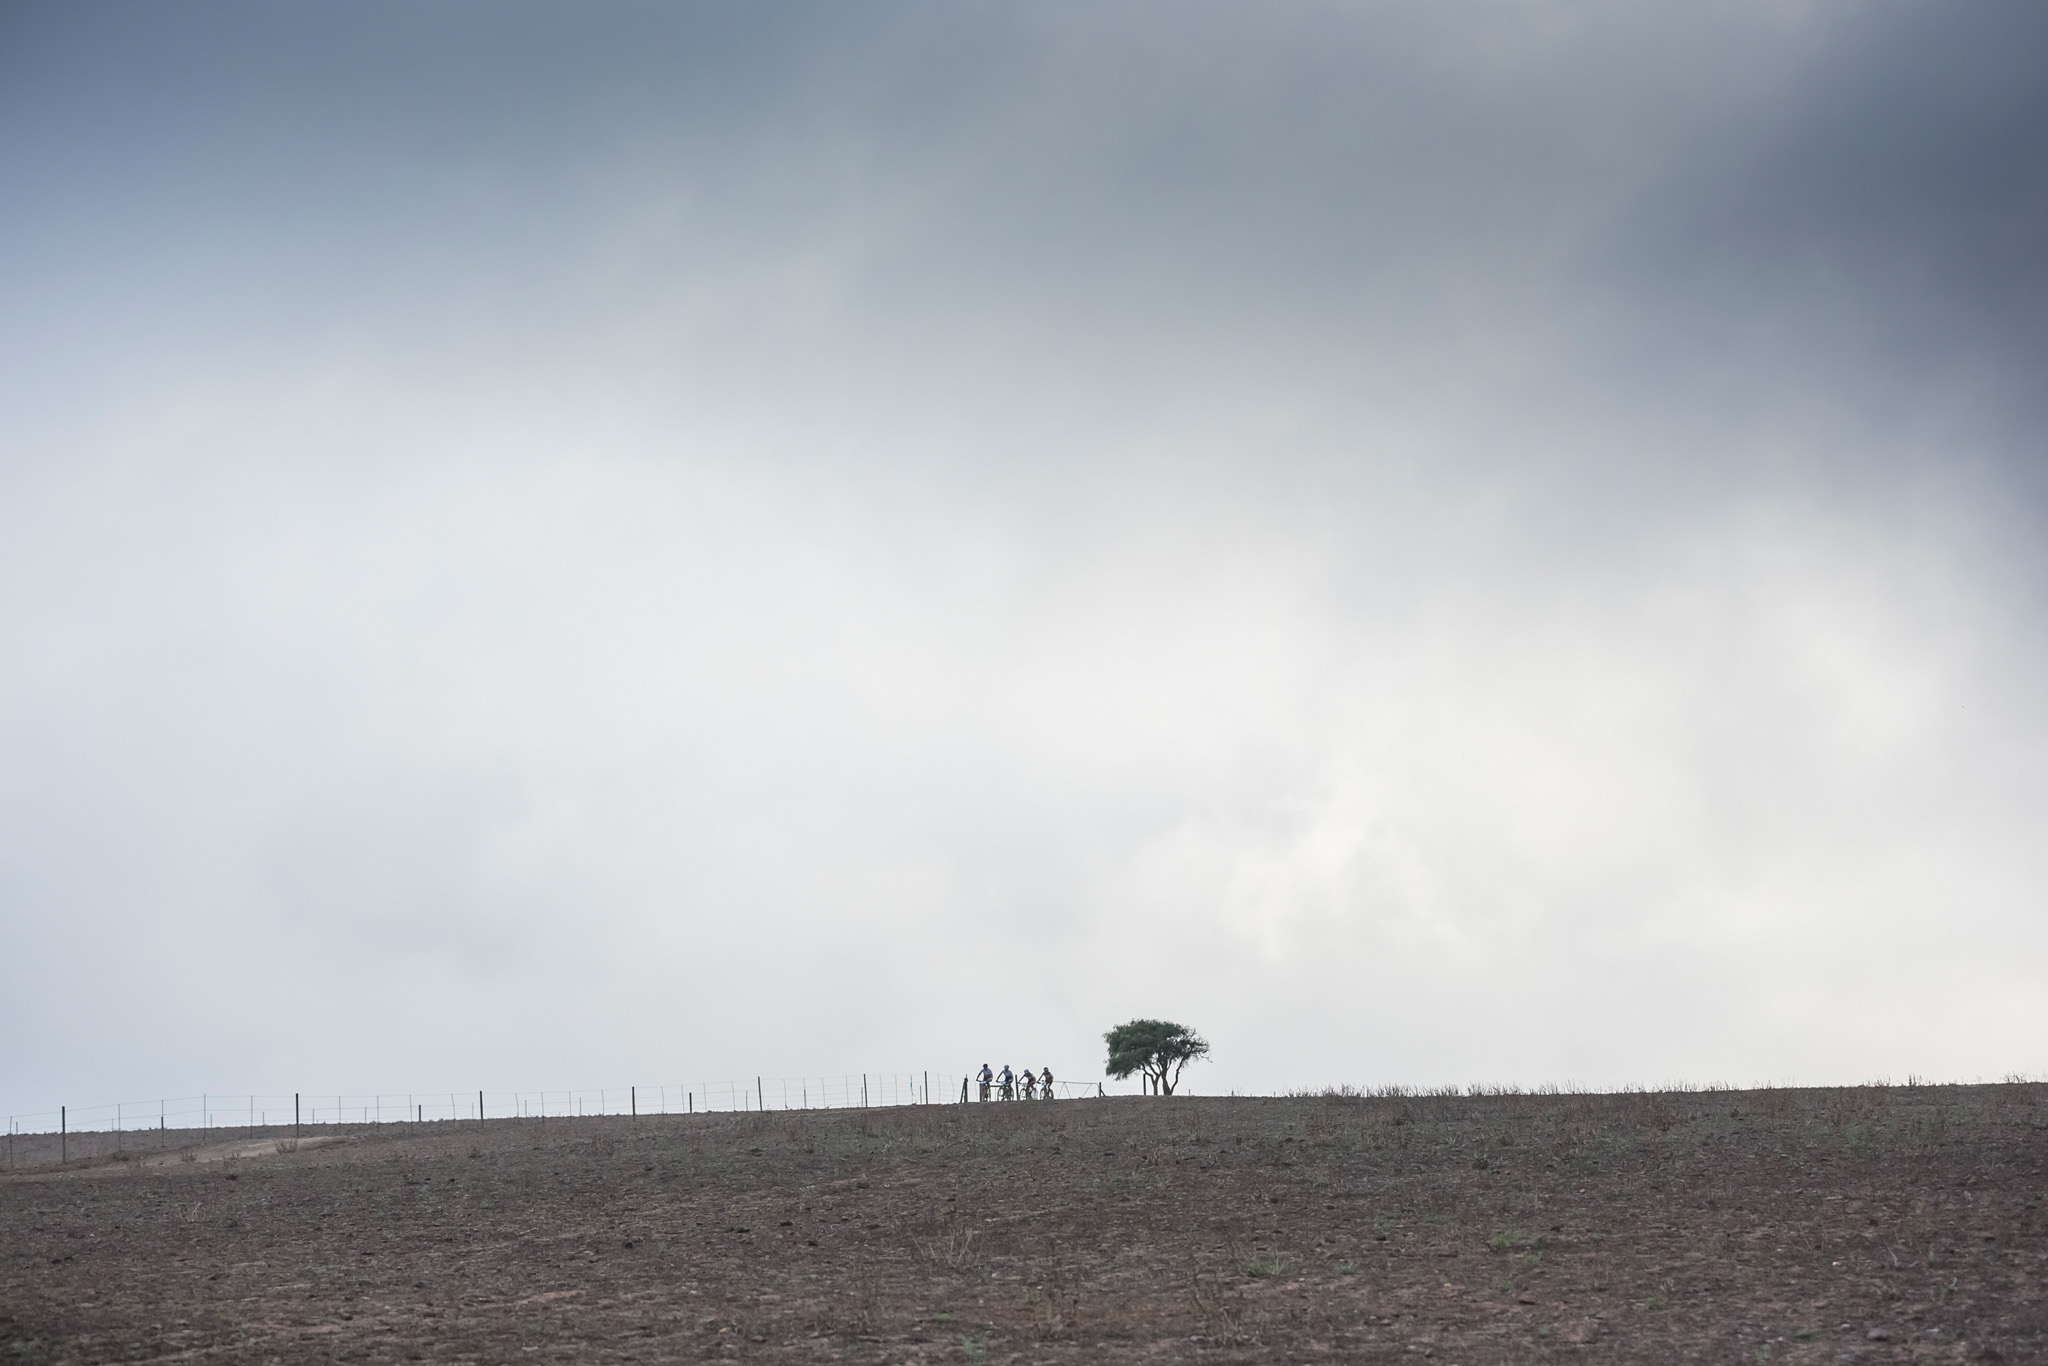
column 985, row 1078
column 1009, row 1081
column 1046, row 1083
column 1030, row 1085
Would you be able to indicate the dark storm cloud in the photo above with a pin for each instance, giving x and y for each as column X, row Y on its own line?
column 1305, row 174
column 1879, row 223
column 1343, row 187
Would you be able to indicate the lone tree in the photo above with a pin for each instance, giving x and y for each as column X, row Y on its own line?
column 1157, row 1048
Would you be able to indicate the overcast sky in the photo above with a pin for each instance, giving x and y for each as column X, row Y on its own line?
column 551, row 545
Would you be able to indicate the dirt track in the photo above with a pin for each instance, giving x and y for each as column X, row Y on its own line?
column 1798, row 1226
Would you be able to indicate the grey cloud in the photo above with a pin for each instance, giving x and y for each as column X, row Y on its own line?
column 1495, row 540
column 388, row 869
column 1877, row 222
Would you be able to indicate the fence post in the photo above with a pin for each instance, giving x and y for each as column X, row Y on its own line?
column 479, row 1109
column 927, row 1088
column 633, row 1100
column 295, row 1116
column 63, row 1134
column 760, row 1097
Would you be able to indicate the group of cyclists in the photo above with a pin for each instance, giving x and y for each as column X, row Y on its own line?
column 1007, row 1084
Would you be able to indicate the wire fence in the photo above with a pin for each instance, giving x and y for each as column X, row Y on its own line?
column 253, row 1113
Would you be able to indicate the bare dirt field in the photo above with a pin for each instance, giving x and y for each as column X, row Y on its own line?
column 1872, row 1225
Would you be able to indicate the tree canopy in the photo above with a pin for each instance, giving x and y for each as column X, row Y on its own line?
column 1159, row 1049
